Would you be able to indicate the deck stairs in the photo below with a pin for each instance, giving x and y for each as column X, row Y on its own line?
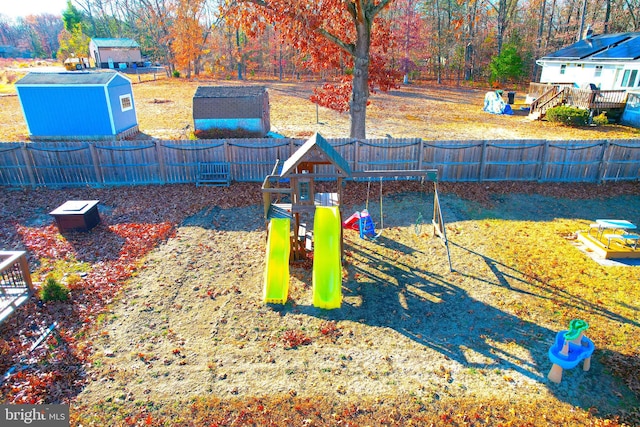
column 549, row 99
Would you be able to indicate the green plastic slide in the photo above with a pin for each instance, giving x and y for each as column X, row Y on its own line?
column 276, row 274
column 327, row 266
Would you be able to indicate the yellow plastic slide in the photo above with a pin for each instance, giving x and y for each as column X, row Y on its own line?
column 276, row 273
column 327, row 266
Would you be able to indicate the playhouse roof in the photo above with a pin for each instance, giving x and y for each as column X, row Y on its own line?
column 316, row 149
column 68, row 78
column 603, row 47
column 117, row 43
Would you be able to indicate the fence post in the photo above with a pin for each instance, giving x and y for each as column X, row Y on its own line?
column 228, row 158
column 420, row 153
column 604, row 162
column 483, row 154
column 28, row 165
column 161, row 161
column 356, row 154
column 543, row 160
column 96, row 163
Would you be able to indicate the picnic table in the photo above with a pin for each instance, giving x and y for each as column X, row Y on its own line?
column 619, row 230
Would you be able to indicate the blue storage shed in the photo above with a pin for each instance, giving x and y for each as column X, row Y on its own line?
column 78, row 105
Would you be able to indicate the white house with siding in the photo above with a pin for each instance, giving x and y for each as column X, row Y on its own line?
column 606, row 61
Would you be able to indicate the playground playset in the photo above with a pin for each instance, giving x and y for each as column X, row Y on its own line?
column 291, row 202
column 569, row 349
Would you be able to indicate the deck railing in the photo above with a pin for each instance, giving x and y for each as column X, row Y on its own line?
column 549, row 99
column 537, row 89
column 15, row 282
column 547, row 95
column 596, row 99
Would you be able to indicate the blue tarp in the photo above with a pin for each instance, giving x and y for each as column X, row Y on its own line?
column 494, row 104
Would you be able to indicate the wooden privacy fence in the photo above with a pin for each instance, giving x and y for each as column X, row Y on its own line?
column 113, row 163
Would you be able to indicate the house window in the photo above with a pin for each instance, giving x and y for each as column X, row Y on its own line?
column 126, row 103
column 625, row 78
column 629, row 78
column 563, row 68
column 598, row 72
column 632, row 79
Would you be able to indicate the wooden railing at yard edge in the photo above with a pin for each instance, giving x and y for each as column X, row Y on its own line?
column 117, row 163
column 15, row 282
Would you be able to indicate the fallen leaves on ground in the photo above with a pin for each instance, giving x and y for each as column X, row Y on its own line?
column 137, row 219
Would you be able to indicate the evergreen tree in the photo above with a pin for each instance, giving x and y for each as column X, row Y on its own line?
column 71, row 17
column 508, row 65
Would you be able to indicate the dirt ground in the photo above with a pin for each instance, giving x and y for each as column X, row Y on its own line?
column 192, row 323
column 427, row 111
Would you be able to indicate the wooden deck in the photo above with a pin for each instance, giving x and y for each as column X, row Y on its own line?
column 551, row 95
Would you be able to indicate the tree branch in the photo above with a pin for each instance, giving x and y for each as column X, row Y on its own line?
column 351, row 8
column 493, row 6
column 347, row 47
column 376, row 9
column 361, row 12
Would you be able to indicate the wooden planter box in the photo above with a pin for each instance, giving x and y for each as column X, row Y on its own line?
column 77, row 215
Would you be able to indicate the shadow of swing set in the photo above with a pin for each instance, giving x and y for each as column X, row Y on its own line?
column 291, row 203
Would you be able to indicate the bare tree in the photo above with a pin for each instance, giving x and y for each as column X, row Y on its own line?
column 505, row 10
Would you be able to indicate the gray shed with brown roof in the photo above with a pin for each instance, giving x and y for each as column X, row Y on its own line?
column 231, row 111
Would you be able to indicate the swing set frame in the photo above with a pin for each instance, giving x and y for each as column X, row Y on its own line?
column 439, row 228
column 290, row 191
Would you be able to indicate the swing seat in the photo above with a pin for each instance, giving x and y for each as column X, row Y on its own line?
column 367, row 227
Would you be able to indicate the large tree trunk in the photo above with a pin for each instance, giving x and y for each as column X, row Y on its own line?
column 536, row 69
column 469, row 54
column 360, row 83
column 582, row 19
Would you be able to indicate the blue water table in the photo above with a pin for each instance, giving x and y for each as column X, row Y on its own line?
column 569, row 349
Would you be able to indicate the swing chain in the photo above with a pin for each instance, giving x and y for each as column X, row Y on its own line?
column 381, row 217
column 418, row 225
column 366, row 206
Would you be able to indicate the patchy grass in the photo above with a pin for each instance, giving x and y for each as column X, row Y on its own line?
column 7, row 89
column 321, row 411
column 428, row 111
